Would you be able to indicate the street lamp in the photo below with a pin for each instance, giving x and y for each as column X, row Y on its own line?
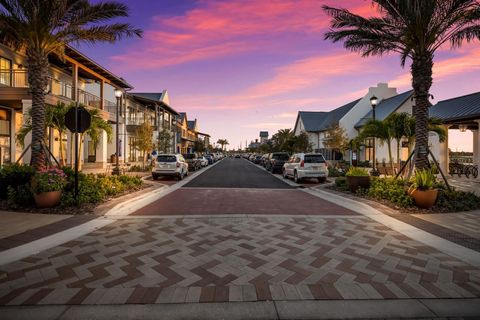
column 373, row 103
column 118, row 95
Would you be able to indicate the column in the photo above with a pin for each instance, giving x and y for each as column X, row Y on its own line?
column 26, row 106
column 75, row 82
column 101, row 152
column 476, row 145
column 444, row 158
column 102, row 101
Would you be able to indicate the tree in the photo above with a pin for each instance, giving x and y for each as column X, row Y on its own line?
column 397, row 125
column 164, row 140
column 199, row 146
column 45, row 27
column 301, row 143
column 380, row 130
column 223, row 143
column 54, row 118
column 144, row 140
column 336, row 138
column 415, row 29
column 281, row 138
column 97, row 126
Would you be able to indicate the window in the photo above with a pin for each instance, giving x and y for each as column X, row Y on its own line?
column 5, row 138
column 5, row 72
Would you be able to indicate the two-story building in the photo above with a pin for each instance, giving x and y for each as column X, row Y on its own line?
column 77, row 78
column 188, row 133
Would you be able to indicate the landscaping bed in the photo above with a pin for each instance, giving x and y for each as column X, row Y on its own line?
column 394, row 194
column 16, row 190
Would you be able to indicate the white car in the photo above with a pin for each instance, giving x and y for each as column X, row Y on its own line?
column 204, row 161
column 172, row 165
column 306, row 165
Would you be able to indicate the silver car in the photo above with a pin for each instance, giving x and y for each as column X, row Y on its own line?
column 306, row 165
column 172, row 165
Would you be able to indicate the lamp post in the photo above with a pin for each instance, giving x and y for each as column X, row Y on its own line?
column 373, row 103
column 118, row 95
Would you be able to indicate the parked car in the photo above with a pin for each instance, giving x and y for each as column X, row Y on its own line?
column 252, row 156
column 194, row 162
column 203, row 161
column 209, row 159
column 306, row 165
column 237, row 156
column 257, row 159
column 263, row 160
column 173, row 165
column 213, row 156
column 275, row 161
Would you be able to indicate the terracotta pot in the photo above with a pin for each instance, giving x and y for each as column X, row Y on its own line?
column 47, row 199
column 424, row 198
column 354, row 182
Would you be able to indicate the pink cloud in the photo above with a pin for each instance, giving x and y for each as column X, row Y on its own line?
column 225, row 28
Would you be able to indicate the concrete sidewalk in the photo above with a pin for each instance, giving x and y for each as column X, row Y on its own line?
column 345, row 309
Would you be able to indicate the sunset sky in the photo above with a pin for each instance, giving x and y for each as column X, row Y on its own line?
column 243, row 66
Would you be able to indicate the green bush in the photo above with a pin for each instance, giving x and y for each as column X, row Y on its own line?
column 13, row 176
column 96, row 188
column 390, row 189
column 453, row 201
column 357, row 172
column 341, row 182
column 334, row 172
column 20, row 196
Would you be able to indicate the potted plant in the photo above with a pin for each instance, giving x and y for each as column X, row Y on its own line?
column 423, row 189
column 47, row 186
column 357, row 178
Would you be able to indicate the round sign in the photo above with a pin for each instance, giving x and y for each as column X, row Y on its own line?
column 83, row 119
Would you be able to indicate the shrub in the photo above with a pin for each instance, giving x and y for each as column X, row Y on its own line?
column 47, row 180
column 452, row 201
column 334, row 172
column 20, row 196
column 341, row 182
column 13, row 176
column 137, row 168
column 424, row 179
column 357, row 172
column 390, row 189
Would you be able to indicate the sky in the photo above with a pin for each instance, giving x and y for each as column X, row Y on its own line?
column 245, row 66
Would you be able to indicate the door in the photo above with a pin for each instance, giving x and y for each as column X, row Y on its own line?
column 92, row 152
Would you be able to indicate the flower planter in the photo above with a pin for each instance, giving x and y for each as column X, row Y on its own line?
column 424, row 198
column 355, row 182
column 47, row 199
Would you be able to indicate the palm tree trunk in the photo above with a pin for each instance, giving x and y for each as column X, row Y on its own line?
column 389, row 145
column 38, row 72
column 62, row 151
column 421, row 82
column 398, row 153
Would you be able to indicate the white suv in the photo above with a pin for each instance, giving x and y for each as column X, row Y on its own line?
column 306, row 165
column 170, row 165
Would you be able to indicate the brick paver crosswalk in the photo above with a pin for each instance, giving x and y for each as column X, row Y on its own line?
column 170, row 260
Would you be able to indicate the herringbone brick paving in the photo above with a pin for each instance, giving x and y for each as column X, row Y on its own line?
column 169, row 260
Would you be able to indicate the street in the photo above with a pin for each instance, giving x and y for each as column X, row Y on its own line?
column 270, row 241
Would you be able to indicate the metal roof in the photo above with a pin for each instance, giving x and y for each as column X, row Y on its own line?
column 316, row 121
column 385, row 108
column 462, row 108
column 191, row 124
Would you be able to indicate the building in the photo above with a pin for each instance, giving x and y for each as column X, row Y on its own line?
column 263, row 137
column 77, row 78
column 462, row 113
column 188, row 134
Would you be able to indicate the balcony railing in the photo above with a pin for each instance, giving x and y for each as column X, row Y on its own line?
column 13, row 78
column 109, row 106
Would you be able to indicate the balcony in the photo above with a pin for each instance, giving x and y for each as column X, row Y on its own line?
column 18, row 79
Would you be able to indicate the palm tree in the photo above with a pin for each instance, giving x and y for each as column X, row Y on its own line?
column 54, row 118
column 415, row 29
column 281, row 138
column 380, row 130
column 397, row 124
column 45, row 27
column 97, row 126
column 223, row 142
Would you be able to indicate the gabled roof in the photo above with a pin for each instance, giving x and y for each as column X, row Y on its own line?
column 150, row 97
column 183, row 116
column 461, row 108
column 312, row 119
column 191, row 124
column 316, row 121
column 385, row 108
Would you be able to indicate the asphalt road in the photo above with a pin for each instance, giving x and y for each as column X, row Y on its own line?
column 237, row 173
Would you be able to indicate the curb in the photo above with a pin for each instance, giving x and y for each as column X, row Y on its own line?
column 263, row 310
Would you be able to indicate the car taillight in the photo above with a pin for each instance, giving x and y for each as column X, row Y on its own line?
column 178, row 164
column 302, row 164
